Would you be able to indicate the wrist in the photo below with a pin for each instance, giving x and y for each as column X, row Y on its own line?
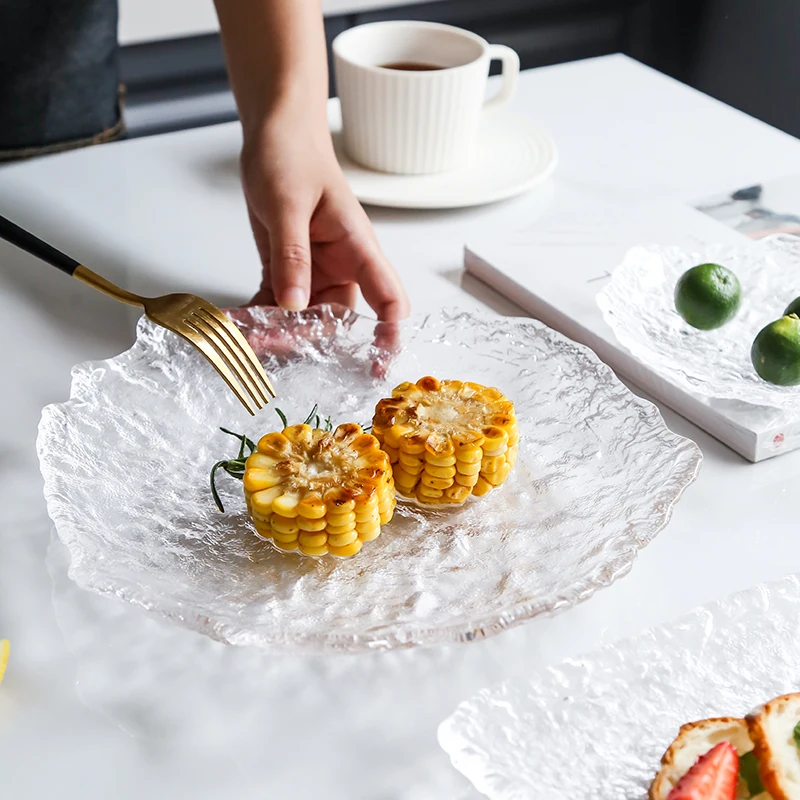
column 287, row 115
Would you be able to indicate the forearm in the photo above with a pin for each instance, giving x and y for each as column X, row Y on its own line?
column 275, row 50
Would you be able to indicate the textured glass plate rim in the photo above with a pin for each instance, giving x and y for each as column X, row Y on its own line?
column 486, row 626
column 774, row 397
column 453, row 742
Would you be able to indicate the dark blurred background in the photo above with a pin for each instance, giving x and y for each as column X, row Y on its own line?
column 743, row 52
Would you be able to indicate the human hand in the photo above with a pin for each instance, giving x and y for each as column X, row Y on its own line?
column 315, row 241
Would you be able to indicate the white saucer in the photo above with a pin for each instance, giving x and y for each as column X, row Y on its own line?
column 512, row 156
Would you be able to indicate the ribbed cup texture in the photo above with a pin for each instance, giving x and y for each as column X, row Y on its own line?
column 411, row 122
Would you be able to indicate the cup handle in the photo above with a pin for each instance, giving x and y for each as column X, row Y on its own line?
column 510, row 59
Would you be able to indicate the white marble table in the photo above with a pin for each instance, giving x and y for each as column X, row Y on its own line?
column 166, row 213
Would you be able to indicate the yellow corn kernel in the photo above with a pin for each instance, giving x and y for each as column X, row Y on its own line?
column 260, row 519
column 371, row 535
column 414, row 463
column 284, row 525
column 293, row 545
column 274, row 444
column 440, row 472
column 467, row 441
column 312, row 539
column 481, row 487
column 264, row 531
column 286, row 505
column 439, row 461
column 342, row 539
column 348, row 550
column 392, row 452
column 364, row 442
column 392, row 438
column 467, row 480
column 262, row 501
column 339, row 501
column 426, row 491
column 505, row 421
column 402, row 389
column 386, row 518
column 491, row 395
column 457, row 493
column 339, row 530
column 312, row 506
column 469, row 456
column 367, row 528
column 496, row 478
column 367, row 514
column 439, row 445
column 492, row 464
column 429, row 384
column 342, row 520
column 428, row 499
column 347, row 433
column 468, row 469
column 300, row 435
column 406, row 481
column 322, row 550
column 257, row 479
column 311, row 525
column 260, row 461
column 436, row 483
column 285, row 538
column 494, row 439
column 412, row 444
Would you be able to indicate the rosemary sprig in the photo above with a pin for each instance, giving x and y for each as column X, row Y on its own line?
column 233, row 466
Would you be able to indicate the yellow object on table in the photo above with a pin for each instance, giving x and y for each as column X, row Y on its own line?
column 317, row 491
column 5, row 649
column 447, row 440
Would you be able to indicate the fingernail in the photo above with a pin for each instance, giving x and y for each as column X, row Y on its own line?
column 294, row 299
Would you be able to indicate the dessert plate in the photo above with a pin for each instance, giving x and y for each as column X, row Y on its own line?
column 638, row 304
column 596, row 727
column 126, row 462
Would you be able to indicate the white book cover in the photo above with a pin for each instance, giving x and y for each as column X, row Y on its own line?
column 555, row 267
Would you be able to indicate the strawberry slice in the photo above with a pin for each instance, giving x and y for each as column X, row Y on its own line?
column 714, row 776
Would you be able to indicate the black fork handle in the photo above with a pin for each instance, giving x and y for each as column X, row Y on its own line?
column 36, row 247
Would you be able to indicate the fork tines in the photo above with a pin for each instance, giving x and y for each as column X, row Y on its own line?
column 223, row 344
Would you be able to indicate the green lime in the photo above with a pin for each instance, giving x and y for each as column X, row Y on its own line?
column 707, row 296
column 776, row 352
column 793, row 308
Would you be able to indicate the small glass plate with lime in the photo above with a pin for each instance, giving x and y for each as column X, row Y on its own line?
column 717, row 321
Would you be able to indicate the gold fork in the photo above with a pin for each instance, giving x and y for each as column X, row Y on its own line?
column 196, row 320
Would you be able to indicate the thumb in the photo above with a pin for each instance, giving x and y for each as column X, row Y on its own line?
column 290, row 260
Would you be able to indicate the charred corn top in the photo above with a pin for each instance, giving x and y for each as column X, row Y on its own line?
column 447, row 439
column 319, row 492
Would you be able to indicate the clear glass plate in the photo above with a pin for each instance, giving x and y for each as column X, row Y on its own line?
column 594, row 728
column 639, row 306
column 126, row 461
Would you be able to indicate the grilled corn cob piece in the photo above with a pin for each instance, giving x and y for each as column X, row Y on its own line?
column 319, row 492
column 447, row 440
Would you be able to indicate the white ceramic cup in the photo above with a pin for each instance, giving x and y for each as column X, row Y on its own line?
column 416, row 122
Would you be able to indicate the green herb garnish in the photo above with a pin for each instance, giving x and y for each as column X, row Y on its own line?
column 233, row 466
column 797, row 735
column 748, row 771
